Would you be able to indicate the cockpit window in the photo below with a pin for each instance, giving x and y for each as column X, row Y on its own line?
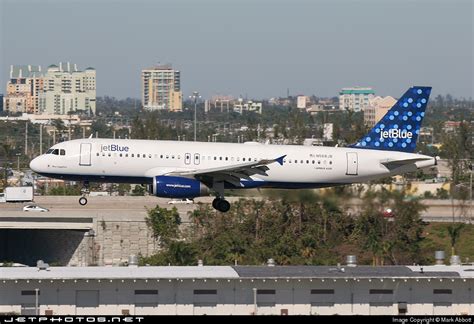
column 62, row 152
column 55, row 152
column 49, row 151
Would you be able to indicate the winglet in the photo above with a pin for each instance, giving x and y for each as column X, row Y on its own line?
column 280, row 159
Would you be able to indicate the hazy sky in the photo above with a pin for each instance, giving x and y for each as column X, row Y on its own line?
column 257, row 48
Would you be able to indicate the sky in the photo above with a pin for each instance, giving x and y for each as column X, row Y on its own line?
column 250, row 48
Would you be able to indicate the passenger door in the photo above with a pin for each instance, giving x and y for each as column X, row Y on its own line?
column 85, row 154
column 352, row 163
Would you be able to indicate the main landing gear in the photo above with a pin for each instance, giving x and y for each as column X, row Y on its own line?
column 221, row 204
column 84, row 192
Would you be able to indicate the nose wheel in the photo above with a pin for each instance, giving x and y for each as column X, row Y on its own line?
column 221, row 204
column 82, row 201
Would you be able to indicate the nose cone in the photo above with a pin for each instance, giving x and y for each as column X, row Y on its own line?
column 35, row 164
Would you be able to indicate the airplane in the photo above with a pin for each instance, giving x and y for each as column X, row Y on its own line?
column 180, row 169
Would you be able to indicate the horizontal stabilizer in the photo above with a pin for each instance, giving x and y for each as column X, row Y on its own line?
column 393, row 164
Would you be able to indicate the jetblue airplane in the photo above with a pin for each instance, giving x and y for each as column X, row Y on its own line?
column 177, row 169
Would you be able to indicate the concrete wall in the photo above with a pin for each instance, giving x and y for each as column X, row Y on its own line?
column 236, row 296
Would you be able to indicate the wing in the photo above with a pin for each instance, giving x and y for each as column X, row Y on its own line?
column 230, row 173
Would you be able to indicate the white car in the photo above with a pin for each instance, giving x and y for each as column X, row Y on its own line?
column 181, row 201
column 35, row 208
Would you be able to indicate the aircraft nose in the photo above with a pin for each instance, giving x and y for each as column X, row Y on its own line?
column 35, row 164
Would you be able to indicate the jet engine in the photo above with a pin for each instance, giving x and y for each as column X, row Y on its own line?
column 178, row 187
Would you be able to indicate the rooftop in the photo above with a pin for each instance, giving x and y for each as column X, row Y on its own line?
column 233, row 272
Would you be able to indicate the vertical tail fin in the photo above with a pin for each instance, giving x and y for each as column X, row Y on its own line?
column 398, row 129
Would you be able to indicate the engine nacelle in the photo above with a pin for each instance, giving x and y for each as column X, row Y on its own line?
column 178, row 187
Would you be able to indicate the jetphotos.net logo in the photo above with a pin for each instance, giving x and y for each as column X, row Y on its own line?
column 395, row 133
column 113, row 148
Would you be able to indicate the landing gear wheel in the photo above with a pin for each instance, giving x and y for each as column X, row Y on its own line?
column 83, row 201
column 214, row 203
column 221, row 205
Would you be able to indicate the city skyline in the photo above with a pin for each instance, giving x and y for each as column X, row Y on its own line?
column 257, row 49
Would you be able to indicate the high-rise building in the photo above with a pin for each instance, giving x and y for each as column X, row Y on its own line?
column 67, row 89
column 23, row 89
column 355, row 99
column 161, row 88
column 302, row 102
column 59, row 90
column 376, row 109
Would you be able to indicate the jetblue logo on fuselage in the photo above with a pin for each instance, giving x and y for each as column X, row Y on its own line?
column 395, row 133
column 113, row 148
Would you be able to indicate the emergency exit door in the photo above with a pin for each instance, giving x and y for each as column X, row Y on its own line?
column 85, row 154
column 352, row 163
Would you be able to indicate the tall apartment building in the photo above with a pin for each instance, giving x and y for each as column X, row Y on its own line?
column 23, row 89
column 377, row 108
column 355, row 99
column 161, row 88
column 68, row 89
column 59, row 90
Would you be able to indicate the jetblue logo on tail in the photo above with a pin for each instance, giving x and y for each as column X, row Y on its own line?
column 395, row 133
column 398, row 130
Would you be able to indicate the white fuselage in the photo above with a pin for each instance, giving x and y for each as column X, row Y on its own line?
column 138, row 161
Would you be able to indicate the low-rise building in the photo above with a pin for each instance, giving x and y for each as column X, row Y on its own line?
column 250, row 105
column 238, row 290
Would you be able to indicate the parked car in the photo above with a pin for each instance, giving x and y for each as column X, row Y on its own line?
column 35, row 208
column 181, row 201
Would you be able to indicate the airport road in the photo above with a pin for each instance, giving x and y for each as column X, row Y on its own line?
column 134, row 208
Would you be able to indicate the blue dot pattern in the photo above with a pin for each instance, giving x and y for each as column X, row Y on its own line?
column 398, row 129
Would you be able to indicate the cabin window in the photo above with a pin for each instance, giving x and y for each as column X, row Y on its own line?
column 319, row 162
column 296, row 161
column 226, row 158
column 330, row 162
column 167, row 156
column 215, row 158
column 313, row 161
column 179, row 157
column 120, row 154
column 144, row 155
column 307, row 161
column 126, row 154
column 243, row 159
column 62, row 152
column 110, row 154
column 103, row 154
column 220, row 158
column 172, row 156
column 149, row 155
column 97, row 154
column 133, row 155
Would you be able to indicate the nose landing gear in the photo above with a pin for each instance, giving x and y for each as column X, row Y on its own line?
column 84, row 192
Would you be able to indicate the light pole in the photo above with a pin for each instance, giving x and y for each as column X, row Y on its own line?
column 18, row 162
column 195, row 96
